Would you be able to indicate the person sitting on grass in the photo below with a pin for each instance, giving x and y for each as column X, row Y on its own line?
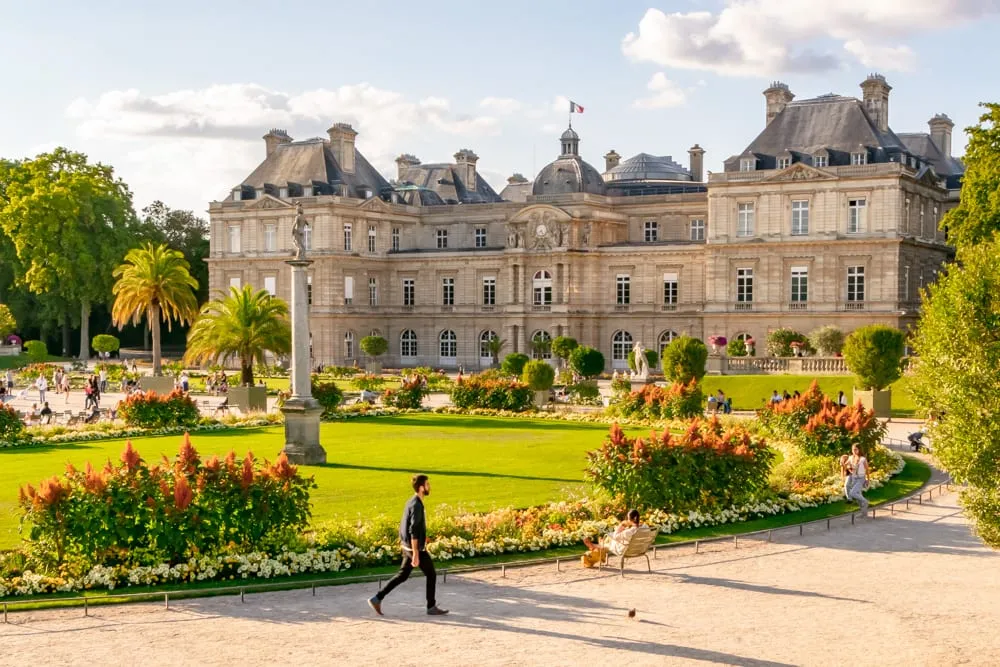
column 613, row 543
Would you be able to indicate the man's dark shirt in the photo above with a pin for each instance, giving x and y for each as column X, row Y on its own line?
column 413, row 525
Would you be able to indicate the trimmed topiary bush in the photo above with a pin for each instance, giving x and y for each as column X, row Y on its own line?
column 652, row 359
column 37, row 351
column 105, row 343
column 587, row 362
column 513, row 364
column 684, row 360
column 374, row 346
column 875, row 355
column 538, row 375
column 828, row 340
column 563, row 346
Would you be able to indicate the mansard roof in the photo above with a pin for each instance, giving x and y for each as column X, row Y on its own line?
column 312, row 163
column 921, row 144
column 443, row 181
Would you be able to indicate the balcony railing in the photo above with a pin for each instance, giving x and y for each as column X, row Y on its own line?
column 668, row 307
column 852, row 306
column 797, row 305
column 541, row 308
column 743, row 306
column 621, row 308
column 448, row 308
column 487, row 309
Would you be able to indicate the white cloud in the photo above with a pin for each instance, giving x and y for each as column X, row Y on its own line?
column 665, row 94
column 501, row 105
column 765, row 37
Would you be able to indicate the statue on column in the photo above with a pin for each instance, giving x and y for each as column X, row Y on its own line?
column 299, row 228
column 641, row 363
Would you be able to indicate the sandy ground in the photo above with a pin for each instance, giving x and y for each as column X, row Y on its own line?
column 914, row 589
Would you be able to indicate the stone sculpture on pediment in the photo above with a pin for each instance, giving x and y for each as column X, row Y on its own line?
column 585, row 235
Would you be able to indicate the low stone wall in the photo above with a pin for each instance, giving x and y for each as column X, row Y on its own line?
column 10, row 350
column 719, row 365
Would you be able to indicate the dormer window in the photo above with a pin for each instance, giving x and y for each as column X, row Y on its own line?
column 784, row 162
column 237, row 194
column 748, row 164
column 859, row 158
column 307, row 191
column 820, row 161
column 283, row 193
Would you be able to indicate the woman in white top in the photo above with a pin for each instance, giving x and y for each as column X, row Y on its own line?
column 858, row 465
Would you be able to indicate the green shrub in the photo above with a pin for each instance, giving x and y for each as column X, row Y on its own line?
column 678, row 401
column 152, row 410
column 328, row 394
column 374, row 346
column 339, row 372
column 584, row 392
column 651, row 360
column 409, row 396
column 104, row 343
column 538, row 375
column 477, row 391
column 875, row 355
column 586, row 361
column 37, row 350
column 11, row 427
column 684, row 360
column 563, row 346
column 620, row 385
column 736, row 348
column 513, row 364
column 368, row 382
column 799, row 471
column 828, row 340
column 779, row 342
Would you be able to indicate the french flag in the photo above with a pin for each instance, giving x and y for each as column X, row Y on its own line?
column 574, row 107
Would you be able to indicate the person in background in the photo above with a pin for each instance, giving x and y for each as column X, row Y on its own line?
column 103, row 380
column 786, row 396
column 10, row 381
column 615, row 542
column 713, row 404
column 45, row 414
column 775, row 396
column 42, row 385
column 858, row 464
column 841, row 399
column 185, row 382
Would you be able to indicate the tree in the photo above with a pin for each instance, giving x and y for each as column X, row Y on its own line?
column 494, row 346
column 977, row 217
column 586, row 361
column 374, row 346
column 538, row 375
column 154, row 283
column 684, row 360
column 8, row 324
column 736, row 348
column 105, row 343
column 956, row 379
column 875, row 354
column 563, row 346
column 513, row 364
column 244, row 324
column 183, row 231
column 829, row 340
column 70, row 223
column 779, row 342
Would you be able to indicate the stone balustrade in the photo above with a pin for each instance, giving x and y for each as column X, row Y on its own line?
column 720, row 365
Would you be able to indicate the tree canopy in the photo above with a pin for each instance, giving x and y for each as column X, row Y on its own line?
column 977, row 217
column 184, row 231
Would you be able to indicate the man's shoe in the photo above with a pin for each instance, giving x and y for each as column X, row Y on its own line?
column 376, row 604
column 436, row 611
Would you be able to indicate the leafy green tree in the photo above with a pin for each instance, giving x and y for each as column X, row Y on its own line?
column 829, row 340
column 154, row 284
column 956, row 379
column 374, row 346
column 245, row 324
column 538, row 375
column 779, row 342
column 184, row 231
column 8, row 324
column 563, row 346
column 586, row 361
column 513, row 364
column 70, row 223
column 105, row 343
column 684, row 359
column 977, row 216
column 495, row 346
column 875, row 355
column 736, row 348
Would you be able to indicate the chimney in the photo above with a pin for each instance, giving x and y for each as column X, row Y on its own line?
column 940, row 126
column 403, row 163
column 696, row 154
column 611, row 160
column 273, row 139
column 875, row 92
column 465, row 167
column 342, row 137
column 778, row 96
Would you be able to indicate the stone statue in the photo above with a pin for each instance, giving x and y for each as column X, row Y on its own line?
column 511, row 237
column 563, row 235
column 585, row 236
column 299, row 228
column 641, row 363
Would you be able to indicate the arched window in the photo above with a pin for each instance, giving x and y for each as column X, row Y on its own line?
column 621, row 345
column 541, row 345
column 408, row 344
column 743, row 336
column 449, row 344
column 349, row 345
column 541, row 289
column 374, row 332
column 484, row 344
column 666, row 338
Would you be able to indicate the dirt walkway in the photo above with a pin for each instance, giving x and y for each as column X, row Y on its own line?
column 917, row 589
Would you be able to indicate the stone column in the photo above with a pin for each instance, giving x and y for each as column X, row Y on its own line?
column 301, row 410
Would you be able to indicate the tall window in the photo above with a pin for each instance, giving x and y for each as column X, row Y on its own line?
column 234, row 238
column 372, row 239
column 480, row 237
column 234, row 281
column 666, row 338
column 307, row 237
column 855, row 283
column 395, row 239
column 270, row 237
column 349, row 345
column 744, row 285
column 348, row 237
column 271, row 285
column 489, row 291
column 442, row 238
column 820, row 161
column 856, row 215
column 541, row 345
column 348, row 290
column 748, row 164
column 800, row 217
column 670, row 289
column 372, row 291
column 622, row 289
column 484, row 344
column 448, row 291
column 408, row 344
column 650, row 231
column 744, row 219
column 800, row 284
column 449, row 344
column 409, row 292
column 541, row 289
column 698, row 230
column 784, row 162
column 621, row 345
column 309, row 290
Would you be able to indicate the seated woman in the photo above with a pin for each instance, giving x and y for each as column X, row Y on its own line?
column 615, row 542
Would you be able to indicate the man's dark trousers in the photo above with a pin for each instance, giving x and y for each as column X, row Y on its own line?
column 426, row 566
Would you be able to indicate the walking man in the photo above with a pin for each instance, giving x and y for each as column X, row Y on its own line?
column 42, row 385
column 413, row 539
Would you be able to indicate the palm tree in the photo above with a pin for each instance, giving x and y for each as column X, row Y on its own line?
column 245, row 324
column 494, row 346
column 155, row 283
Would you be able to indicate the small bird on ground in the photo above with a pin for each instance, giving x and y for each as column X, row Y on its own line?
column 631, row 613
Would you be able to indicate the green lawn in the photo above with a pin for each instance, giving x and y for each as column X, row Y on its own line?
column 23, row 360
column 476, row 463
column 749, row 392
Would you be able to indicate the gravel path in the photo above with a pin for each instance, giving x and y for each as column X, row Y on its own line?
column 917, row 589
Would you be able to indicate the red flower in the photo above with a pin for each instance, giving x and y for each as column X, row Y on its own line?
column 130, row 457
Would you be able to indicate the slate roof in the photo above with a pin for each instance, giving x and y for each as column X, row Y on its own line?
column 441, row 180
column 517, row 192
column 947, row 167
column 311, row 163
column 646, row 167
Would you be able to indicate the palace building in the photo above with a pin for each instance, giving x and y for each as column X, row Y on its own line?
column 827, row 217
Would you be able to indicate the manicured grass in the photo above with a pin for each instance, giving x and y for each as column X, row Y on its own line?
column 23, row 360
column 475, row 463
column 750, row 392
column 281, row 384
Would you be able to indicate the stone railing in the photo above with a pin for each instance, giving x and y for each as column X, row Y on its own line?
column 10, row 350
column 776, row 366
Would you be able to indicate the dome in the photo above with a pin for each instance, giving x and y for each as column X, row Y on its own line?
column 646, row 167
column 569, row 173
column 570, row 133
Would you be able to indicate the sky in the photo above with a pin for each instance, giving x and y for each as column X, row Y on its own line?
column 176, row 96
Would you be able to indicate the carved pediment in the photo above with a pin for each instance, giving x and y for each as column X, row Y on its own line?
column 801, row 172
column 541, row 213
column 268, row 201
column 375, row 204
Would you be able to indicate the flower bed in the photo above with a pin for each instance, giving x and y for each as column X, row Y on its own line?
column 678, row 401
column 496, row 394
column 152, row 410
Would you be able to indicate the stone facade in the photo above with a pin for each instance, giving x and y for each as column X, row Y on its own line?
column 792, row 240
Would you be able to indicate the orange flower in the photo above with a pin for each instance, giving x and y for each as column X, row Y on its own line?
column 282, row 469
column 246, row 477
column 94, row 482
column 130, row 457
column 182, row 493
column 51, row 492
column 187, row 457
